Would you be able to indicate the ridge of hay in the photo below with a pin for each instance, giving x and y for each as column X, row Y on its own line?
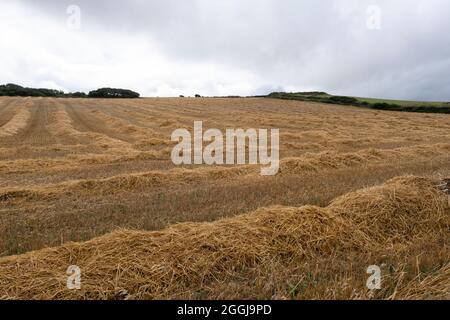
column 412, row 209
column 18, row 122
column 119, row 183
column 335, row 160
column 188, row 258
column 139, row 181
column 63, row 125
column 125, row 127
column 70, row 160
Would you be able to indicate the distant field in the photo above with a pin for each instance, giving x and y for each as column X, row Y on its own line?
column 380, row 104
column 404, row 102
column 98, row 172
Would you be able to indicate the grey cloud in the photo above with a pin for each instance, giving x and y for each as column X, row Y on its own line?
column 290, row 44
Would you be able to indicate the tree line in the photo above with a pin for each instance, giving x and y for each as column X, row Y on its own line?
column 14, row 90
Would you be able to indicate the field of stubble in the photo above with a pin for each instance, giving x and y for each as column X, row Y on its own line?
column 90, row 183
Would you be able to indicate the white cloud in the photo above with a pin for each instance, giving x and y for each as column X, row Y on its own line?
column 230, row 47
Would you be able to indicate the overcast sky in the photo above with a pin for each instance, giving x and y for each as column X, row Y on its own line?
column 378, row 48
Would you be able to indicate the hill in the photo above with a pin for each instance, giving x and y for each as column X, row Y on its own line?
column 380, row 104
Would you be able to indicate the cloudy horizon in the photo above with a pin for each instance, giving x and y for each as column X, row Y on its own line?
column 379, row 48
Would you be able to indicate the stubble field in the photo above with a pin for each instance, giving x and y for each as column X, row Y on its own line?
column 90, row 182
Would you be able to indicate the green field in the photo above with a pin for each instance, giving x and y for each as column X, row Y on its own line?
column 404, row 102
column 373, row 103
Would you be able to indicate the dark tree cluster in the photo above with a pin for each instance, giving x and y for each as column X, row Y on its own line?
column 76, row 95
column 14, row 90
column 113, row 93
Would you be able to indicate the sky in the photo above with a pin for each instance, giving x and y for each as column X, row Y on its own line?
column 378, row 48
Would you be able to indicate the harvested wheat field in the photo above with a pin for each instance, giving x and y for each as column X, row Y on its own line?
column 90, row 183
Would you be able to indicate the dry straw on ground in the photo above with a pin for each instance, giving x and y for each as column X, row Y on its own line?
column 63, row 125
column 143, row 180
column 18, row 122
column 206, row 260
column 79, row 169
